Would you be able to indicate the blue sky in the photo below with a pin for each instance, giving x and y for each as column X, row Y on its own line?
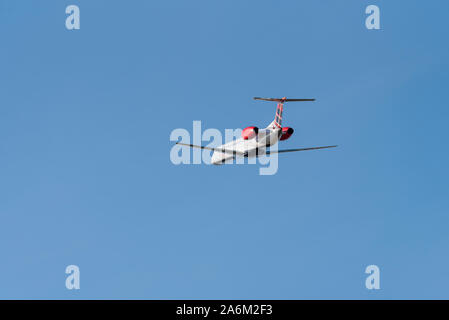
column 86, row 178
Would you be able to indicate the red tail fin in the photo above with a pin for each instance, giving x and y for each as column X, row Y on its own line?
column 278, row 116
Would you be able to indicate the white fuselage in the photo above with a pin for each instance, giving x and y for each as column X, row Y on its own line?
column 250, row 148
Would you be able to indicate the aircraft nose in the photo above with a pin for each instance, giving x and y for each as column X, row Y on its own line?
column 216, row 158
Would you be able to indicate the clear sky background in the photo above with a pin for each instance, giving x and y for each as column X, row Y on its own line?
column 86, row 177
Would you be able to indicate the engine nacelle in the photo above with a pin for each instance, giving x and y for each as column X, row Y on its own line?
column 286, row 133
column 250, row 133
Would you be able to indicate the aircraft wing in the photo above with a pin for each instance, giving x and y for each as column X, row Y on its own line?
column 301, row 149
column 229, row 151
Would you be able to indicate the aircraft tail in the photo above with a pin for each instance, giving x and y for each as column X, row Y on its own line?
column 280, row 108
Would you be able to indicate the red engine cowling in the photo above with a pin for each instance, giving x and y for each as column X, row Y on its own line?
column 286, row 133
column 250, row 133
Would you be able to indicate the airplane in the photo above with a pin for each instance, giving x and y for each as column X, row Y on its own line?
column 254, row 141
